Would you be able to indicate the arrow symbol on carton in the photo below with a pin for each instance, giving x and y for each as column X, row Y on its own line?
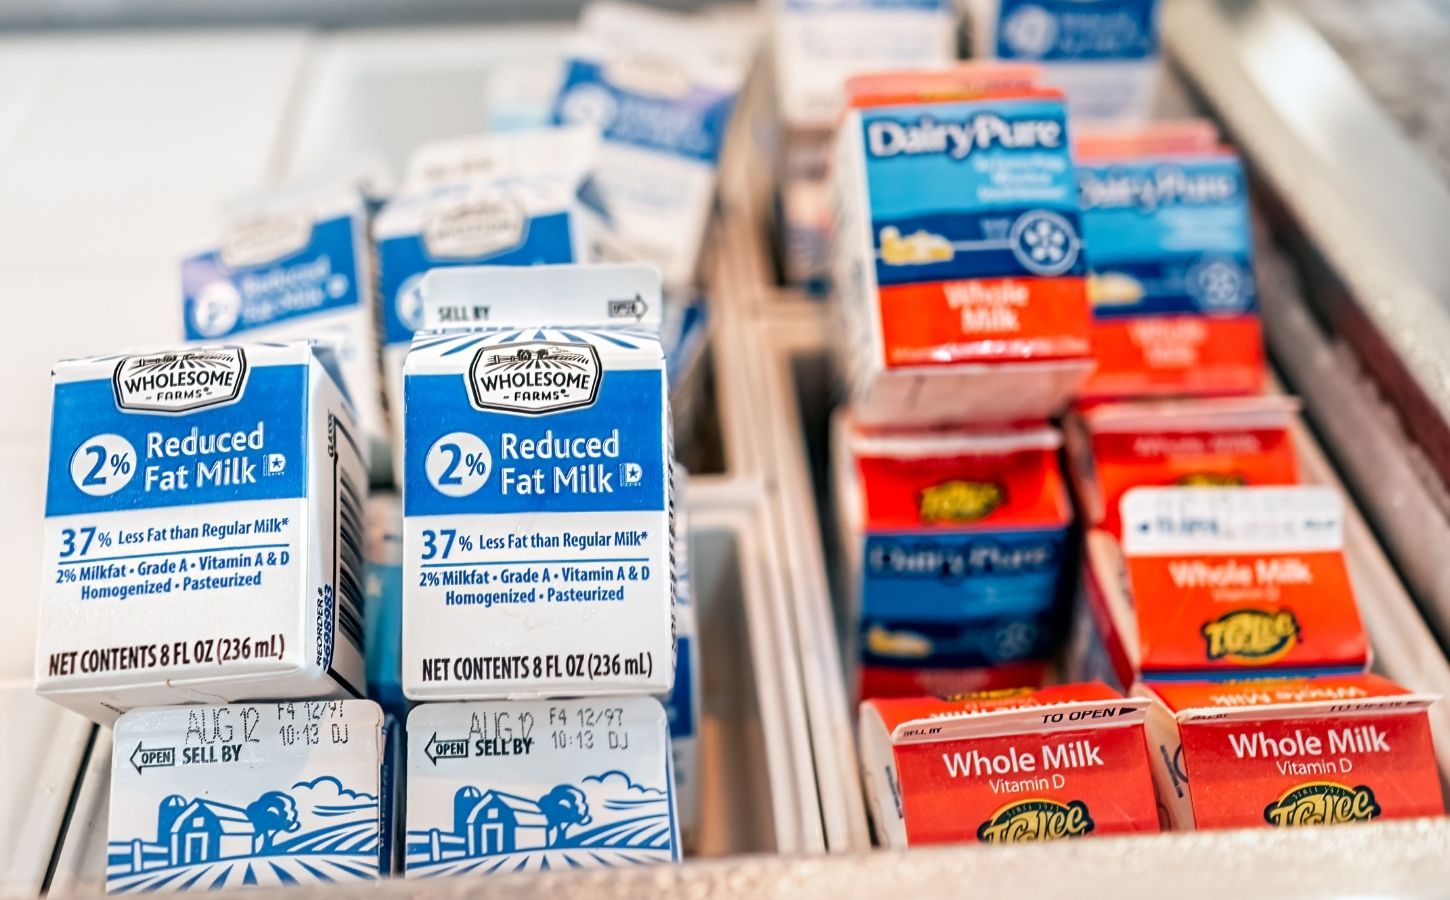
column 152, row 758
column 633, row 308
column 445, row 749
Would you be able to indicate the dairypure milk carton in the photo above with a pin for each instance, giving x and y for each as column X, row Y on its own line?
column 1292, row 752
column 294, row 265
column 203, row 528
column 1224, row 582
column 268, row 794
column 515, row 786
column 510, row 200
column 537, row 506
column 1168, row 240
column 1007, row 767
column 661, row 89
column 958, row 270
column 957, row 550
column 1103, row 53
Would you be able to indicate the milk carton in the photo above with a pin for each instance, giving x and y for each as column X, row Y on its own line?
column 661, row 89
column 1168, row 240
column 209, row 797
column 1007, row 767
column 1226, row 442
column 958, row 267
column 1103, row 53
column 1220, row 582
column 537, row 504
column 513, row 200
column 1292, row 752
column 956, row 548
column 383, row 593
column 538, row 785
column 203, row 530
column 682, row 705
column 293, row 266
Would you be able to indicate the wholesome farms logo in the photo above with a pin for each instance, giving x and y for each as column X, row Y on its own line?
column 534, row 377
column 1322, row 803
column 1038, row 819
column 181, row 380
column 474, row 228
column 1251, row 636
column 960, row 501
column 262, row 239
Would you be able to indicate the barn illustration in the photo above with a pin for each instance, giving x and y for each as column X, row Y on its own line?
column 205, row 831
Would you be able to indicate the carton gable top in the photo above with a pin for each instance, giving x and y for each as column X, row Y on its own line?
column 1285, row 698
column 1216, row 414
column 919, row 720
column 621, row 298
column 967, row 81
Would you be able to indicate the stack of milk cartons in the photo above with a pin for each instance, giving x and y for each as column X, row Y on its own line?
column 815, row 46
column 960, row 280
column 203, row 520
column 538, row 572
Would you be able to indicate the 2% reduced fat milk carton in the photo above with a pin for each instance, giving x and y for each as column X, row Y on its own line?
column 538, row 509
column 1292, row 752
column 1007, row 767
column 268, row 794
column 958, row 268
column 203, row 530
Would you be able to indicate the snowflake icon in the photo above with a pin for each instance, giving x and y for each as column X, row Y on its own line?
column 1044, row 243
column 1219, row 286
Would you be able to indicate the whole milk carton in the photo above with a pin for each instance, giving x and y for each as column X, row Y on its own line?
column 958, row 269
column 1007, row 767
column 268, row 794
column 537, row 502
column 1292, row 752
column 203, row 529
column 956, row 547
column 539, row 785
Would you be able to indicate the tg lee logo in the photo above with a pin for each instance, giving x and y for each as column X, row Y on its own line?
column 960, row 501
column 1322, row 803
column 534, row 377
column 1251, row 636
column 181, row 380
column 1038, row 819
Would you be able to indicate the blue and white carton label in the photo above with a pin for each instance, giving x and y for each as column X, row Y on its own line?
column 529, row 786
column 295, row 266
column 267, row 794
column 383, row 593
column 1104, row 54
column 203, row 527
column 661, row 91
column 537, row 500
column 682, row 705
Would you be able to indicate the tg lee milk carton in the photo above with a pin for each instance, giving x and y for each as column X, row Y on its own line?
column 515, row 786
column 958, row 266
column 1292, row 752
column 272, row 794
column 1007, row 767
column 537, row 502
column 203, row 530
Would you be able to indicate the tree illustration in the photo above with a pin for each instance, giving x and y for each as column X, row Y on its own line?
column 271, row 813
column 563, row 807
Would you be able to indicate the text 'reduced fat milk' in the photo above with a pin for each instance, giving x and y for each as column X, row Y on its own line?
column 1291, row 752
column 514, row 786
column 956, row 548
column 1169, row 244
column 294, row 266
column 958, row 270
column 1007, row 767
column 518, row 199
column 267, row 794
column 203, row 530
column 660, row 88
column 1104, row 54
column 537, row 497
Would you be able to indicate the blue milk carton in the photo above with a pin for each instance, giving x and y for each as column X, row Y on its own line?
column 510, row 200
column 383, row 590
column 537, row 503
column 293, row 266
column 537, row 785
column 203, row 528
column 269, row 794
column 682, row 705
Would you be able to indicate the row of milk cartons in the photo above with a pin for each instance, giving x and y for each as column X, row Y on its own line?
column 993, row 272
column 620, row 166
column 206, row 530
column 1104, row 54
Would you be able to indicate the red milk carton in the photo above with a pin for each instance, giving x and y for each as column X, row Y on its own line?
column 1008, row 766
column 1285, row 753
